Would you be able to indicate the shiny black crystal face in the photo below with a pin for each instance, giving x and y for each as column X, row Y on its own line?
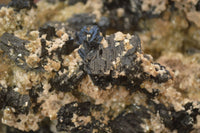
column 90, row 38
column 104, row 63
column 114, row 60
column 14, row 48
column 10, row 98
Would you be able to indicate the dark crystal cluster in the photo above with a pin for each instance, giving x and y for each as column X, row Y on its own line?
column 14, row 47
column 11, row 98
column 87, row 53
column 22, row 4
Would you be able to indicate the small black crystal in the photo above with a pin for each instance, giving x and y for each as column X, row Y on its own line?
column 21, row 103
column 22, row 4
column 14, row 47
column 48, row 30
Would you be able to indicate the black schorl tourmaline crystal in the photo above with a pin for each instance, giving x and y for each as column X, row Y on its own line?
column 68, row 82
column 66, row 113
column 112, row 64
column 34, row 94
column 130, row 121
column 90, row 38
column 71, row 118
column 48, row 30
column 115, row 59
column 11, row 98
column 182, row 120
column 14, row 48
column 22, row 4
column 67, row 48
column 164, row 77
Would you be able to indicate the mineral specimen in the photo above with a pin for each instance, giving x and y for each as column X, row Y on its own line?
column 85, row 66
column 117, row 59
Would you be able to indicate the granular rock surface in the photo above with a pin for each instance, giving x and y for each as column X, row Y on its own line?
column 93, row 66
